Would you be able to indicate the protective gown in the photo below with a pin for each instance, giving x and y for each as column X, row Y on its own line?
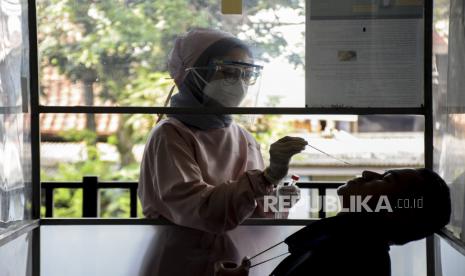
column 205, row 181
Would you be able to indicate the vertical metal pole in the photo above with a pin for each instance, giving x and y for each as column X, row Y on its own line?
column 430, row 256
column 49, row 202
column 36, row 251
column 133, row 202
column 428, row 98
column 322, row 195
column 35, row 131
column 428, row 101
column 35, row 128
column 90, row 196
column 437, row 252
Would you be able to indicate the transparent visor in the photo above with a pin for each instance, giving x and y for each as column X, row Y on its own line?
column 230, row 83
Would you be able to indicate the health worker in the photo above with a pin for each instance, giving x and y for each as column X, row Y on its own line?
column 203, row 172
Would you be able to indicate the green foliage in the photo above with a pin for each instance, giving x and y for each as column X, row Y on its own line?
column 148, row 89
column 109, row 207
column 441, row 10
column 89, row 137
column 68, row 202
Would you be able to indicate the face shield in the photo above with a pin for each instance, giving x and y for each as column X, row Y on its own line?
column 221, row 75
column 228, row 83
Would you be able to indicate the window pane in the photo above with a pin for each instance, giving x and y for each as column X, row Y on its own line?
column 365, row 53
column 343, row 146
column 115, row 53
column 16, row 256
column 138, row 243
column 63, row 244
column 452, row 262
column 409, row 259
column 15, row 137
column 114, row 153
column 449, row 118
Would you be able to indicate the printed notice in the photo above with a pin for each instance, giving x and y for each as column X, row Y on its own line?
column 456, row 71
column 365, row 53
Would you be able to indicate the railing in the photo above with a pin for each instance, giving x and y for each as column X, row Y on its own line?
column 91, row 186
column 90, row 200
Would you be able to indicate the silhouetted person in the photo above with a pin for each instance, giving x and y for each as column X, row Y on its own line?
column 356, row 241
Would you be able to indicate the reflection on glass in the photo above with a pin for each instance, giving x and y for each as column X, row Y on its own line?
column 15, row 163
column 450, row 164
column 452, row 262
column 62, row 245
column 16, row 256
column 449, row 131
column 139, row 244
column 10, row 53
column 115, row 53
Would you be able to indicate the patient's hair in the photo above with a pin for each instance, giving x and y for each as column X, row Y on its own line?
column 418, row 223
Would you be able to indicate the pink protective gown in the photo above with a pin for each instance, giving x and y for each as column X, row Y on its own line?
column 205, row 181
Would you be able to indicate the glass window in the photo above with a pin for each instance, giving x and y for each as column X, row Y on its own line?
column 138, row 243
column 343, row 146
column 115, row 54
column 449, row 117
column 451, row 262
column 16, row 256
column 15, row 137
column 94, row 53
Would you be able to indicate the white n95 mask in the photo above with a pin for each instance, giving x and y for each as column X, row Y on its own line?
column 228, row 95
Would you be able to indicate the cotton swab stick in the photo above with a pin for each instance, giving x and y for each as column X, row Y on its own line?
column 327, row 154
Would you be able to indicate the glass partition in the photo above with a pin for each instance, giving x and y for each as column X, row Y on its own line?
column 128, row 250
column 449, row 117
column 16, row 256
column 115, row 54
column 351, row 143
column 342, row 147
column 409, row 259
column 355, row 54
column 15, row 137
column 451, row 262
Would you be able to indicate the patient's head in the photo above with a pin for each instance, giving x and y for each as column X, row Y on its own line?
column 419, row 201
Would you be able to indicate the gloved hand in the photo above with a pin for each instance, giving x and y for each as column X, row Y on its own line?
column 281, row 153
column 290, row 196
column 228, row 268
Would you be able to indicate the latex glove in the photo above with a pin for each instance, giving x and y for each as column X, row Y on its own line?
column 290, row 194
column 281, row 153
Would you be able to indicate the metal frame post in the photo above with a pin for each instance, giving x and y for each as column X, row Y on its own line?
column 133, row 202
column 428, row 98
column 90, row 196
column 49, row 202
column 35, row 131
